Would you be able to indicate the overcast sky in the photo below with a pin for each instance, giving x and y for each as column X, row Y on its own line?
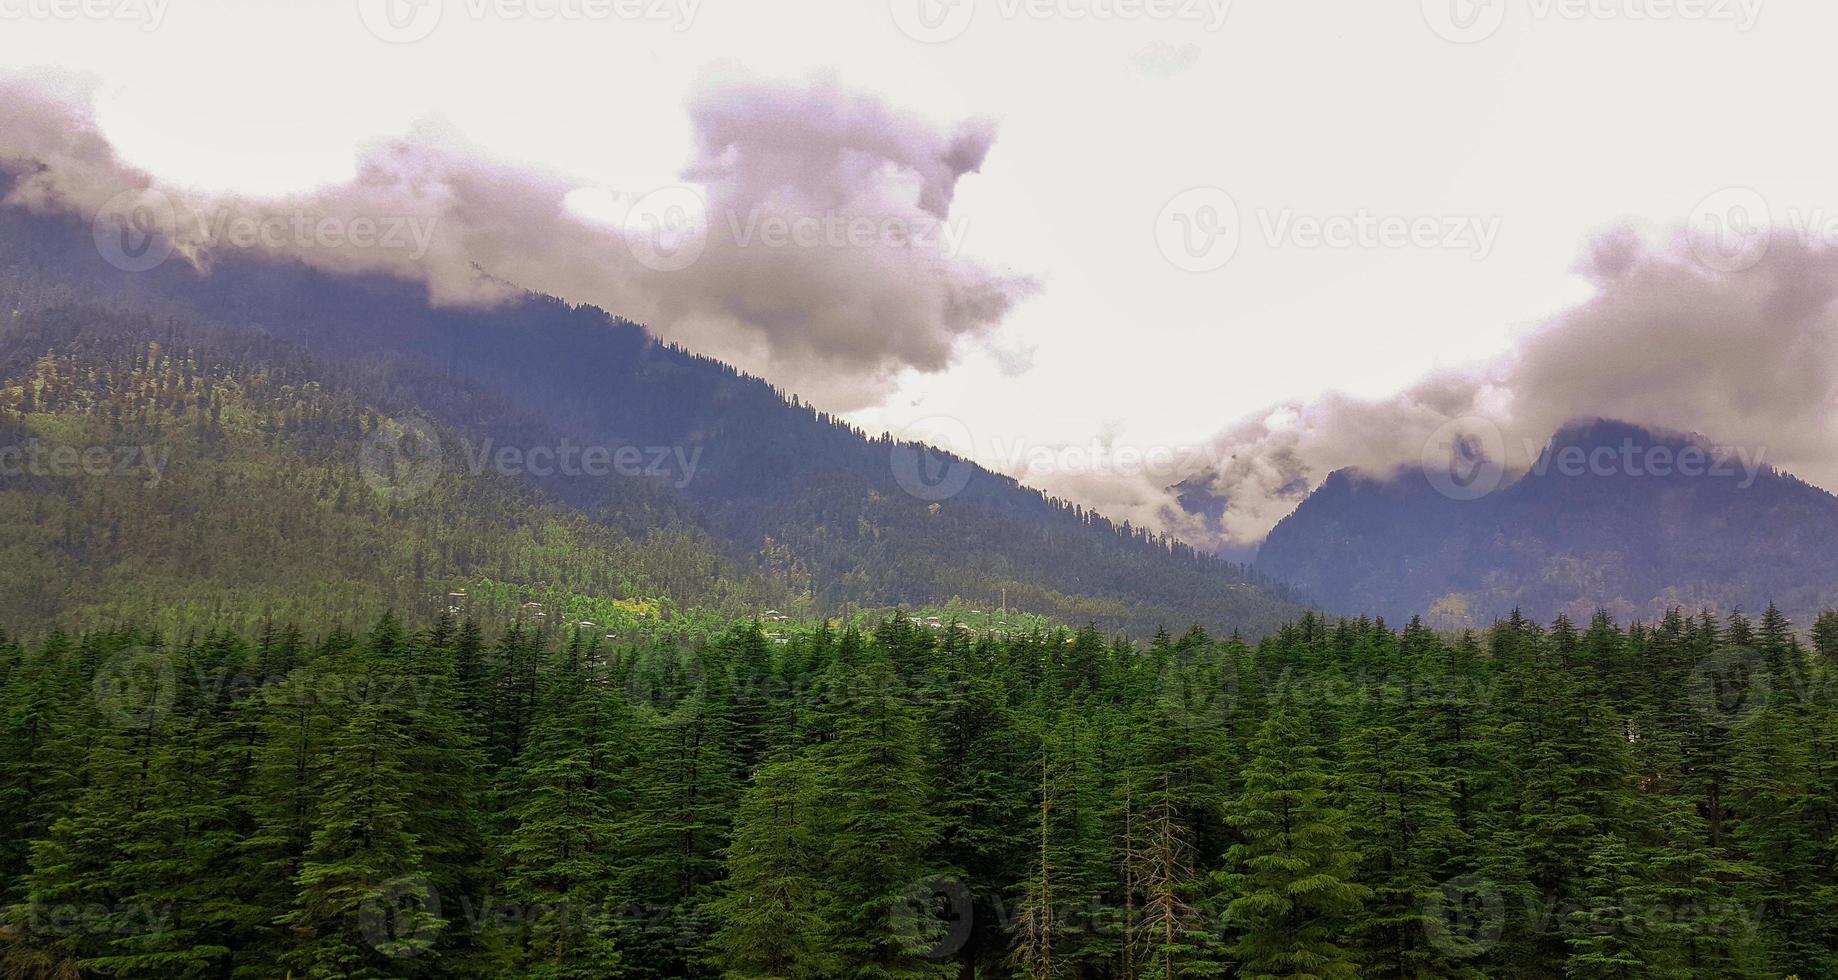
column 1224, row 206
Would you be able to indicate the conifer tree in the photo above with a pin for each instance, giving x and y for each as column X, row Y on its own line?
column 563, row 850
column 285, row 787
column 772, row 913
column 1777, row 804
column 306, row 803
column 683, row 790
column 1696, row 900
column 46, row 725
column 977, row 767
column 1289, row 886
column 136, row 853
column 879, row 829
column 1606, row 939
column 1400, row 815
column 363, row 893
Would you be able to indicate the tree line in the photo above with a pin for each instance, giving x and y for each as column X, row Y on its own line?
column 1338, row 799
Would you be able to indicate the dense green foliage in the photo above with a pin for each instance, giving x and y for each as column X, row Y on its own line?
column 232, row 478
column 1338, row 799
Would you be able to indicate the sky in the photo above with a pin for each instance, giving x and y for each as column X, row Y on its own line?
column 1199, row 215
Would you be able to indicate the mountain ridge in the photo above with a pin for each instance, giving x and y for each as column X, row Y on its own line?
column 1610, row 514
column 780, row 484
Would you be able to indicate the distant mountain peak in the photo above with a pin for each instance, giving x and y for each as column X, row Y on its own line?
column 1628, row 517
column 1597, row 432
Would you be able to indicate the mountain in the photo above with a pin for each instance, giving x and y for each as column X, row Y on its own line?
column 810, row 511
column 1636, row 531
column 160, row 475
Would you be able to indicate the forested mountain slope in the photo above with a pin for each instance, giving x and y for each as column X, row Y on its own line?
column 779, row 488
column 155, row 473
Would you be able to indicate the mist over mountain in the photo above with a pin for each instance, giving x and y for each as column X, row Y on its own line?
column 719, row 262
column 1609, row 515
column 1672, row 337
column 775, row 487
